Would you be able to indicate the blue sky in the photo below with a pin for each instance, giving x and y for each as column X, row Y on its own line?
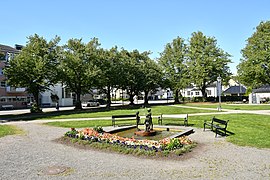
column 146, row 25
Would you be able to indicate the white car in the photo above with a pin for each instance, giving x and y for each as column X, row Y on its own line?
column 92, row 103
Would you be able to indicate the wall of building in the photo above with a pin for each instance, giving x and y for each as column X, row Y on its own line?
column 257, row 98
column 65, row 98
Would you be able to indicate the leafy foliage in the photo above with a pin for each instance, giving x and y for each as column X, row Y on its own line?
column 150, row 77
column 174, row 144
column 99, row 129
column 253, row 69
column 110, row 64
column 139, row 73
column 78, row 69
column 206, row 61
column 34, row 67
column 172, row 61
column 2, row 56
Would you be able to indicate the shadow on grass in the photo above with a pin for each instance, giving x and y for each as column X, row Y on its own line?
column 178, row 124
column 34, row 116
column 221, row 133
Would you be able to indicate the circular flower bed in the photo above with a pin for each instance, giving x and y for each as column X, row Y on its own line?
column 179, row 145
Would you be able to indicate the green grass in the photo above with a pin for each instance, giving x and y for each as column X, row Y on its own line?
column 248, row 129
column 94, row 113
column 156, row 110
column 82, row 124
column 244, row 129
column 9, row 130
column 231, row 106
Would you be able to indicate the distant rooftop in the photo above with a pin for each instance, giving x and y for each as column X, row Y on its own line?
column 262, row 89
column 235, row 90
column 5, row 48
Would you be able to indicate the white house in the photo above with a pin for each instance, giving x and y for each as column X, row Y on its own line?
column 260, row 95
column 193, row 91
column 65, row 97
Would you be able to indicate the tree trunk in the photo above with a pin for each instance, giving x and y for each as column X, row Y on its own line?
column 36, row 105
column 204, row 93
column 78, row 104
column 109, row 96
column 146, row 97
column 176, row 97
column 131, row 95
column 36, row 99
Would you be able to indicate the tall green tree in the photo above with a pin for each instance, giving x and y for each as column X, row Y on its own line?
column 110, row 66
column 34, row 68
column 131, row 73
column 172, row 60
column 151, row 76
column 254, row 68
column 78, row 67
column 206, row 61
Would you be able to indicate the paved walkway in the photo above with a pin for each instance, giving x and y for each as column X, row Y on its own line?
column 26, row 156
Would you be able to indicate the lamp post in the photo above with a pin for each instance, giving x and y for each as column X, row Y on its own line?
column 219, row 92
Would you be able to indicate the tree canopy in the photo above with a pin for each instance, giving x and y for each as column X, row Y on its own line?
column 172, row 60
column 254, row 68
column 34, row 67
column 82, row 67
column 110, row 64
column 78, row 68
column 206, row 61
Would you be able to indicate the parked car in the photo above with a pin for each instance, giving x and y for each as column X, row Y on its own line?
column 92, row 103
column 102, row 101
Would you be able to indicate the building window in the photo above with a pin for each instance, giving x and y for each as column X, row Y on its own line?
column 209, row 92
column 3, row 84
column 3, row 99
column 188, row 93
column 67, row 93
column 197, row 93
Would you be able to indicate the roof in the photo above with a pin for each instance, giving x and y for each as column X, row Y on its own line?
column 195, row 89
column 4, row 49
column 235, row 90
column 262, row 89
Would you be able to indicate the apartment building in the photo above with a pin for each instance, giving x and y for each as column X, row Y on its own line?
column 11, row 97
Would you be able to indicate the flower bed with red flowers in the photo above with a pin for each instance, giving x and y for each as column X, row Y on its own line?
column 165, row 146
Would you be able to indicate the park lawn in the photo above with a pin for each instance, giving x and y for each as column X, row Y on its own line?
column 81, row 124
column 244, row 129
column 9, row 130
column 156, row 110
column 247, row 129
column 230, row 106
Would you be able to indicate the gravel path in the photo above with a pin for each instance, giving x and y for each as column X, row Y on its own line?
column 25, row 156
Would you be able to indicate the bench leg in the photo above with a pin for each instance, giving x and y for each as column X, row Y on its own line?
column 113, row 122
column 185, row 122
column 159, row 121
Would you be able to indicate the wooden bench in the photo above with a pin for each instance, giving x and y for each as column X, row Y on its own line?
column 216, row 125
column 180, row 118
column 122, row 118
